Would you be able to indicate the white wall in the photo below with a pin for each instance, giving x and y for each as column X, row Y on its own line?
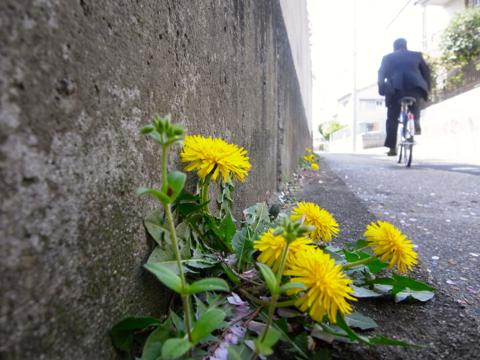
column 451, row 129
column 295, row 16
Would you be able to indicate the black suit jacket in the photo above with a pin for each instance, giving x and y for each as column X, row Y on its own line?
column 401, row 71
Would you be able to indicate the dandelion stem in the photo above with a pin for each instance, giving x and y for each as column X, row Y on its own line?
column 173, row 238
column 273, row 301
column 204, row 190
column 164, row 168
column 359, row 262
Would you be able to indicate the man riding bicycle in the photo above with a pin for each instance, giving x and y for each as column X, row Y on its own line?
column 402, row 73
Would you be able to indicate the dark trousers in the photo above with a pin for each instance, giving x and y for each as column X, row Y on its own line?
column 393, row 112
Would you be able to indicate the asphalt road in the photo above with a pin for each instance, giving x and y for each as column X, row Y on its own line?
column 436, row 204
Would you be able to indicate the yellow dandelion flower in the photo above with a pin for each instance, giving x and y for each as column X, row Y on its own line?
column 326, row 227
column 271, row 248
column 215, row 156
column 308, row 150
column 328, row 288
column 309, row 158
column 391, row 245
column 314, row 166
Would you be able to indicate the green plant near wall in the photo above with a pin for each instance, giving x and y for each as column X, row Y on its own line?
column 328, row 128
column 246, row 286
column 460, row 42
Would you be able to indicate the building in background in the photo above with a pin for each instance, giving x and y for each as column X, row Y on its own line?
column 371, row 115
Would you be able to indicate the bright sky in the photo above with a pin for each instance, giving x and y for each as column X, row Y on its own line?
column 332, row 26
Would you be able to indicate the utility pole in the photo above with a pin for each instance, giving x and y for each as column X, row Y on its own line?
column 354, row 90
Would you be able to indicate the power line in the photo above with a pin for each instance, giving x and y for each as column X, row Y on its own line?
column 398, row 14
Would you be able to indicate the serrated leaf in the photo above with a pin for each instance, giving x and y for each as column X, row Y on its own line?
column 351, row 256
column 242, row 245
column 257, row 214
column 208, row 284
column 269, row 278
column 123, row 331
column 335, row 252
column 359, row 244
column 174, row 348
column 166, row 276
column 399, row 283
column 214, row 225
column 227, row 229
column 188, row 205
column 211, row 320
column 417, row 295
column 362, row 292
column 375, row 266
column 376, row 340
column 357, row 320
column 352, row 335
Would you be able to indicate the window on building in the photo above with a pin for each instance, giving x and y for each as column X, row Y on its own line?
column 370, row 104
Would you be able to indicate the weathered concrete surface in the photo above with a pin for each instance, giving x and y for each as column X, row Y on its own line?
column 77, row 80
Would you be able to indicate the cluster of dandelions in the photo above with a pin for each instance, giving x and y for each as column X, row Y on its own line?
column 310, row 159
column 327, row 288
column 294, row 259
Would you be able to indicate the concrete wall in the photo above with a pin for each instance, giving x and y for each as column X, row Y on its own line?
column 451, row 129
column 295, row 15
column 77, row 81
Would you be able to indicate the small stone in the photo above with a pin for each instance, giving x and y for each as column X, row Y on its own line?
column 474, row 254
column 435, row 257
column 450, row 282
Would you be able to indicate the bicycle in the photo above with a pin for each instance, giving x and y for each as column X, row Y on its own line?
column 406, row 130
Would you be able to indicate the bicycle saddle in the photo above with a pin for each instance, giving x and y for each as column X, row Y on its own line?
column 409, row 100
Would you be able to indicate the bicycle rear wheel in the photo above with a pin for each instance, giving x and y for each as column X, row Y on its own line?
column 400, row 153
column 408, row 149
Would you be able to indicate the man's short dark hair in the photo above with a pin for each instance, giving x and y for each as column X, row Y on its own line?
column 400, row 44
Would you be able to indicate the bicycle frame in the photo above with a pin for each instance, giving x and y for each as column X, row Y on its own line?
column 406, row 131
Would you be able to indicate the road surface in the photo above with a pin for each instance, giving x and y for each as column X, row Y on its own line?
column 437, row 204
